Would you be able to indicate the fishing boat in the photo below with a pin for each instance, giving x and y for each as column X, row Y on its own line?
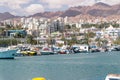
column 6, row 53
column 46, row 51
column 113, row 77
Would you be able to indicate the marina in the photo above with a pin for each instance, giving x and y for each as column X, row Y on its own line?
column 90, row 66
column 60, row 40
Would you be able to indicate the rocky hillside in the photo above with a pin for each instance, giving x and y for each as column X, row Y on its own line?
column 97, row 10
column 6, row 15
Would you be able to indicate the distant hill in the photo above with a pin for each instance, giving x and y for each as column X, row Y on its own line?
column 97, row 10
column 6, row 15
column 47, row 14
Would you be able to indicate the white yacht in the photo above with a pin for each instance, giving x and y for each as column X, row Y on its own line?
column 113, row 77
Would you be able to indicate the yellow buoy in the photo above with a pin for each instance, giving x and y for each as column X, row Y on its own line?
column 39, row 78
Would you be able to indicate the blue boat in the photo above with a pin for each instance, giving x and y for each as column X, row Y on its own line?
column 7, row 53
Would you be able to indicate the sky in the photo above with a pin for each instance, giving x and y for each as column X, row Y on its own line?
column 29, row 7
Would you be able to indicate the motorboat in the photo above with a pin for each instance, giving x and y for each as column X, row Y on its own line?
column 113, row 77
column 26, row 52
column 46, row 51
column 6, row 53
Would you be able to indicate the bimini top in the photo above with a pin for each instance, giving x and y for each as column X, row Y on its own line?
column 113, row 77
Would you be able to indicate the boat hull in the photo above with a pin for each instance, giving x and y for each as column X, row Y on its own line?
column 46, row 53
column 113, row 77
column 8, row 54
column 6, row 57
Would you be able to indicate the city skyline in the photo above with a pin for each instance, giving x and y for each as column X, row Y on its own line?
column 29, row 7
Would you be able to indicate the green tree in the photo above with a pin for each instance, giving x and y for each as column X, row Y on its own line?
column 67, row 27
column 8, row 42
column 104, row 42
column 30, row 39
column 90, row 34
column 117, row 41
column 87, row 37
column 49, row 40
column 101, row 42
column 2, row 32
column 115, row 25
column 19, row 35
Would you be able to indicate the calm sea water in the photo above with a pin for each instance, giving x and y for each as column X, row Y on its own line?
column 93, row 66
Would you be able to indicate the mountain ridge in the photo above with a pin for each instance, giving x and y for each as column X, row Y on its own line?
column 7, row 15
column 97, row 10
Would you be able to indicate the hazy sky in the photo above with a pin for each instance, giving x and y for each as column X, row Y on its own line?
column 28, row 7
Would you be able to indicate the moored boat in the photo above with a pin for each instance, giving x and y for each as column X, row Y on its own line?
column 26, row 52
column 113, row 77
column 46, row 51
column 7, row 53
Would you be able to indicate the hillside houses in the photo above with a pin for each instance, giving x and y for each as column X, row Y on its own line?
column 62, row 29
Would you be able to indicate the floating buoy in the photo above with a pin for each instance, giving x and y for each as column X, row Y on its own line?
column 39, row 78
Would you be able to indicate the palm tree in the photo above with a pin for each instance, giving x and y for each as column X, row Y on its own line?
column 87, row 37
column 100, row 42
column 30, row 39
column 49, row 40
column 117, row 41
column 2, row 32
